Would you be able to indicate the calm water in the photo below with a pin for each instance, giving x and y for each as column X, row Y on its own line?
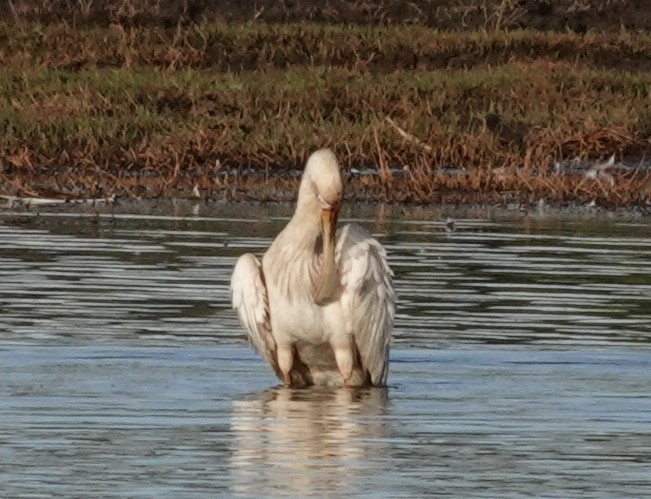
column 521, row 363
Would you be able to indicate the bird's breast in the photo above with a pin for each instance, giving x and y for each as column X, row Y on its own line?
column 306, row 322
column 291, row 269
column 295, row 316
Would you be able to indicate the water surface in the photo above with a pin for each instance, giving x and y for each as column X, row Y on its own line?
column 521, row 363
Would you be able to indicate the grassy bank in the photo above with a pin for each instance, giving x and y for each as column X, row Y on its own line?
column 149, row 111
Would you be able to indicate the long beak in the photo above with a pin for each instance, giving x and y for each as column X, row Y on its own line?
column 327, row 285
column 328, row 227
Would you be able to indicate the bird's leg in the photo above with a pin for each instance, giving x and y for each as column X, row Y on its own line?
column 285, row 362
column 344, row 357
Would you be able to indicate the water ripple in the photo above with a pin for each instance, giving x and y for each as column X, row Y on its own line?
column 521, row 365
column 123, row 276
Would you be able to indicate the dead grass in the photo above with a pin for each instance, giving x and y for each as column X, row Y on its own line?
column 452, row 15
column 256, row 46
column 151, row 112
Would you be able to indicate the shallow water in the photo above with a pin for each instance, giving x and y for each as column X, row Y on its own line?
column 521, row 363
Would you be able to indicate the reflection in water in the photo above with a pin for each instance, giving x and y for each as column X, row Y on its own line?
column 305, row 442
column 521, row 363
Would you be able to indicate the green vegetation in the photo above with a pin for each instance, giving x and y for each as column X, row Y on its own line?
column 142, row 110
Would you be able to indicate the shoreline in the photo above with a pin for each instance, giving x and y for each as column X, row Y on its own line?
column 555, row 191
column 187, row 209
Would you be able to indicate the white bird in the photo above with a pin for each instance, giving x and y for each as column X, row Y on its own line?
column 319, row 310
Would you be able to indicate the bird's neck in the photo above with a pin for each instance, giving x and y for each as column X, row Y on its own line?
column 292, row 261
column 300, row 235
column 307, row 206
column 291, row 264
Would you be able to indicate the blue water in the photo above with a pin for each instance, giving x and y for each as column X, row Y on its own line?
column 521, row 364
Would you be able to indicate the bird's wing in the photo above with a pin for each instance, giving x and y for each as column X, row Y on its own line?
column 249, row 298
column 368, row 298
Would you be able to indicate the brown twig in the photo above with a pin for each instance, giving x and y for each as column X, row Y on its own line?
column 407, row 135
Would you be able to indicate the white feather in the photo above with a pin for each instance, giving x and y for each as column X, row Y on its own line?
column 368, row 298
column 249, row 298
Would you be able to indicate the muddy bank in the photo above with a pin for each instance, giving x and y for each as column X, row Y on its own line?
column 600, row 185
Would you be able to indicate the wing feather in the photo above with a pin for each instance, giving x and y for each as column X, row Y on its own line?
column 368, row 298
column 249, row 298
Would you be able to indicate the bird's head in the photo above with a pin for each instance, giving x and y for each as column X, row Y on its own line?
column 322, row 182
column 322, row 173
